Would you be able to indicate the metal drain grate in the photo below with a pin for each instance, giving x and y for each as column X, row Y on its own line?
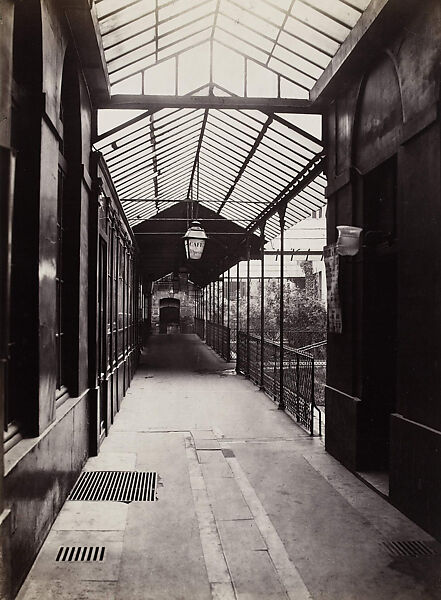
column 115, row 486
column 81, row 554
column 412, row 548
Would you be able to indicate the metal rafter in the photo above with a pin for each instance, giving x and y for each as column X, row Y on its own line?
column 300, row 181
column 247, row 160
column 154, row 159
column 198, row 151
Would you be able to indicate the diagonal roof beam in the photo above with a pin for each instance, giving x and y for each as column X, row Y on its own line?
column 298, row 130
column 198, row 151
column 154, row 160
column 281, row 28
column 247, row 160
column 300, row 181
column 103, row 136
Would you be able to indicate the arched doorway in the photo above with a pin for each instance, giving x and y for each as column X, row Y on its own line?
column 378, row 124
column 169, row 315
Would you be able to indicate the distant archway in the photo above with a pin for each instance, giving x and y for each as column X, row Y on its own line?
column 169, row 315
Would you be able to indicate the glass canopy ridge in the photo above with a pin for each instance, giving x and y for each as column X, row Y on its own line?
column 269, row 48
column 236, row 161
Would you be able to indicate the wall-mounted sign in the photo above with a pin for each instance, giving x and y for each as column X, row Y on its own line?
column 332, row 258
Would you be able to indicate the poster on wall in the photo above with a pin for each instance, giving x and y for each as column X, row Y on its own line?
column 331, row 258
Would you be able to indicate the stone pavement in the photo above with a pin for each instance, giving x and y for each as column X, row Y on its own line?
column 248, row 506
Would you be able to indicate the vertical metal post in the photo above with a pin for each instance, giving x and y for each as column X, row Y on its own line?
column 203, row 311
column 223, row 300
column 282, row 306
column 196, row 303
column 216, row 319
column 228, row 316
column 218, row 300
column 237, row 315
column 228, row 298
column 214, row 302
column 248, row 308
column 206, row 311
column 222, row 333
column 262, row 305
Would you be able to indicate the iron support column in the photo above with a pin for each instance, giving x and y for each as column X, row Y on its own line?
column 223, row 300
column 281, row 307
column 196, row 303
column 262, row 304
column 237, row 315
column 228, row 315
column 213, row 301
column 228, row 298
column 218, row 300
column 248, row 308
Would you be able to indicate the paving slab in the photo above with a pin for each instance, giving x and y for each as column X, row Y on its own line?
column 112, row 461
column 54, row 589
column 226, row 499
column 92, row 516
column 248, row 507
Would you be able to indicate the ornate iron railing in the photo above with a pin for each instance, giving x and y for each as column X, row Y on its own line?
column 199, row 327
column 298, row 376
column 218, row 337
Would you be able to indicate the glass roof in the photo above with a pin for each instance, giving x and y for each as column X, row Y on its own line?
column 248, row 47
column 236, row 162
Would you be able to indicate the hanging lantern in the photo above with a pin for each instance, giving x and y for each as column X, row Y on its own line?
column 194, row 241
column 348, row 242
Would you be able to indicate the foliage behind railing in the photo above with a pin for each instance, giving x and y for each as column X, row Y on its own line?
column 298, row 376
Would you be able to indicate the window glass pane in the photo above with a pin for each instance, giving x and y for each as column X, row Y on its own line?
column 338, row 10
column 193, row 69
column 316, row 38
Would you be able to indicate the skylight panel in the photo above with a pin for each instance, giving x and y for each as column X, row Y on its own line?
column 126, row 72
column 128, row 45
column 261, row 81
column 297, row 62
column 321, row 22
column 267, row 25
column 130, row 58
column 178, row 20
column 169, row 34
column 309, row 35
column 160, row 78
column 130, row 30
column 193, row 68
column 237, row 124
column 292, row 73
column 190, row 42
column 107, row 7
column 337, row 10
column 126, row 16
column 244, row 32
column 310, row 53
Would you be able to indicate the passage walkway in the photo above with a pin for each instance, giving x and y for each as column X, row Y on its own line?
column 248, row 505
